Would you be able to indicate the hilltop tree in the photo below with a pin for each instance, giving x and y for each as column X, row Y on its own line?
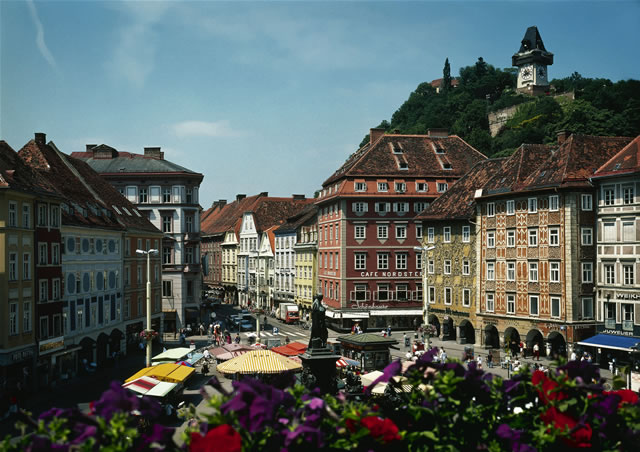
column 446, row 77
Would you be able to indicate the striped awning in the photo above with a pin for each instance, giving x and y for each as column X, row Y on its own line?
column 344, row 362
column 150, row 386
column 259, row 362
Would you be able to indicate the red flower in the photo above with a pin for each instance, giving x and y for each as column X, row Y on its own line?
column 579, row 434
column 223, row 438
column 549, row 387
column 627, row 396
column 383, row 429
column 351, row 425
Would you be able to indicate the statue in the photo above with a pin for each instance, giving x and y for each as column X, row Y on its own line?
column 318, row 324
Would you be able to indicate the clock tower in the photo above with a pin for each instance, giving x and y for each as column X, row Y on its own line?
column 532, row 60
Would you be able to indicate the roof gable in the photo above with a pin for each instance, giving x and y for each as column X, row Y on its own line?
column 627, row 161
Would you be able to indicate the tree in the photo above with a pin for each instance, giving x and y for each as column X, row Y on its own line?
column 446, row 77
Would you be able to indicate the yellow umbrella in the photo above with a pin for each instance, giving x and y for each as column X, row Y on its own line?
column 173, row 373
column 259, row 362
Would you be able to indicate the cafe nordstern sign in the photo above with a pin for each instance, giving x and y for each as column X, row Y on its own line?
column 51, row 345
column 390, row 274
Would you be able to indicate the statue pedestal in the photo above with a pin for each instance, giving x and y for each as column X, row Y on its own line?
column 320, row 363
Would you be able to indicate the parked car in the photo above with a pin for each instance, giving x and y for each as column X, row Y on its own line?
column 246, row 325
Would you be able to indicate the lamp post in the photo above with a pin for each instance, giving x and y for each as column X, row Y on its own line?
column 423, row 250
column 148, row 253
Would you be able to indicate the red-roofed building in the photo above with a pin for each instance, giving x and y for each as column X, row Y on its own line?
column 536, row 221
column 618, row 244
column 368, row 269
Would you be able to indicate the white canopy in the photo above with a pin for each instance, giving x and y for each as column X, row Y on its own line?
column 173, row 354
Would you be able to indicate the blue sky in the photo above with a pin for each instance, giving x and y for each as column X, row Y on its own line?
column 267, row 96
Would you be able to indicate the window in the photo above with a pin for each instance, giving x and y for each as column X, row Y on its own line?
column 587, row 308
column 383, row 261
column 629, row 274
column 490, row 297
column 533, row 237
column 402, row 292
column 166, row 195
column 609, row 231
column 383, row 292
column 465, row 267
column 43, row 292
column 586, row 202
column 533, row 205
column 360, row 231
column 139, row 274
column 42, row 215
column 587, row 236
column 400, row 187
column 609, row 273
column 190, row 195
column 26, row 266
column 421, row 186
column 554, row 236
column 491, row 239
column 511, row 303
column 555, row 307
column 13, row 319
column 491, row 271
column 418, row 230
column 359, row 207
column 13, row 214
column 56, row 289
column 42, row 254
column 167, row 255
column 80, row 319
column 491, row 209
column 628, row 194
column 446, row 232
column 627, row 317
column 383, row 186
column 418, row 261
column 533, row 272
column 26, row 316
column 167, row 288
column 430, row 235
column 511, row 238
column 401, row 232
column 431, row 267
column 554, row 271
column 360, row 186
column 382, row 207
column 511, row 271
column 466, row 234
column 189, row 255
column 447, row 295
column 188, row 220
column 587, row 272
column 55, row 253
column 401, row 261
column 13, row 266
column 609, row 195
column 447, row 267
column 400, row 207
column 466, row 297
column 142, row 196
column 432, row 294
column 511, row 207
column 26, row 216
column 628, row 230
column 167, row 223
column 442, row 187
column 533, row 304
column 383, row 231
column 361, row 261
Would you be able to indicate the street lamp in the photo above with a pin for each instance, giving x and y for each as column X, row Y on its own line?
column 148, row 253
column 423, row 250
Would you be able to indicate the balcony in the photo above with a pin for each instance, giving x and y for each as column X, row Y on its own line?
column 627, row 325
column 610, row 324
column 191, row 268
column 192, row 237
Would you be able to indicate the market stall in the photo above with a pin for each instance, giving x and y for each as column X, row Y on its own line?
column 172, row 373
column 259, row 362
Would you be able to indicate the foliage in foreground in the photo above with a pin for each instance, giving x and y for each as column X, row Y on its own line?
column 449, row 408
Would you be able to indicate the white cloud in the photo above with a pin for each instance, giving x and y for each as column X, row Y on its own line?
column 204, row 129
column 40, row 42
column 134, row 55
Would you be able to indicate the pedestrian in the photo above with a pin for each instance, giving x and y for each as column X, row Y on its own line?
column 536, row 351
column 237, row 339
column 479, row 360
column 201, row 329
column 389, row 330
column 443, row 356
column 406, row 340
column 574, row 357
column 490, row 361
column 415, row 323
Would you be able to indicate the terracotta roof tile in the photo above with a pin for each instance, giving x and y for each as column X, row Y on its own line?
column 517, row 168
column 458, row 203
column 16, row 174
column 627, row 161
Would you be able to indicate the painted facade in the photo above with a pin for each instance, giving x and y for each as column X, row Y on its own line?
column 306, row 267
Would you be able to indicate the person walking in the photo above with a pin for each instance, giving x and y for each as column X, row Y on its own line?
column 536, row 351
column 490, row 361
column 479, row 360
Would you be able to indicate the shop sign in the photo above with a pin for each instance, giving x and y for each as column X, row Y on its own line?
column 51, row 345
column 359, row 305
column 618, row 332
column 627, row 296
column 390, row 274
column 21, row 355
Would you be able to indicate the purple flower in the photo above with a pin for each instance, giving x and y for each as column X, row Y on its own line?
column 311, row 436
column 115, row 399
column 514, row 437
column 158, row 434
column 316, row 404
column 586, row 371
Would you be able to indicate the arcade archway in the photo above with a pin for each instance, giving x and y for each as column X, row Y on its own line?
column 467, row 333
column 491, row 337
column 433, row 320
column 558, row 344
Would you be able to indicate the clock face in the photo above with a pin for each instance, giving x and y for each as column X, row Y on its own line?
column 542, row 72
column 526, row 73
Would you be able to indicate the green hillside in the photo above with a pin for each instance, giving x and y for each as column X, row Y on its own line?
column 601, row 107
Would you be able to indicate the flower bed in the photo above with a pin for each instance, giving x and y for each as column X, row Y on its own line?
column 451, row 407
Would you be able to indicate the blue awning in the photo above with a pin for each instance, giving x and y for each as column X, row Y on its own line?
column 612, row 341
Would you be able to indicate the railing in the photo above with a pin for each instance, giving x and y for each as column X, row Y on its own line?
column 627, row 325
column 610, row 324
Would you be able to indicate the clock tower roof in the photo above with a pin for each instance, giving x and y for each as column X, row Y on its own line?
column 532, row 50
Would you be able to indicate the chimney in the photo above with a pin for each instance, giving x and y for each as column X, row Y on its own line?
column 40, row 137
column 443, row 133
column 375, row 134
column 89, row 147
column 240, row 197
column 153, row 153
column 298, row 197
column 562, row 136
column 265, row 194
column 222, row 202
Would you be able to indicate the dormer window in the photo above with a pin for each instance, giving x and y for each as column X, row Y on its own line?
column 403, row 165
column 401, row 187
column 447, row 166
column 439, row 149
column 360, row 186
column 397, row 149
column 421, row 186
